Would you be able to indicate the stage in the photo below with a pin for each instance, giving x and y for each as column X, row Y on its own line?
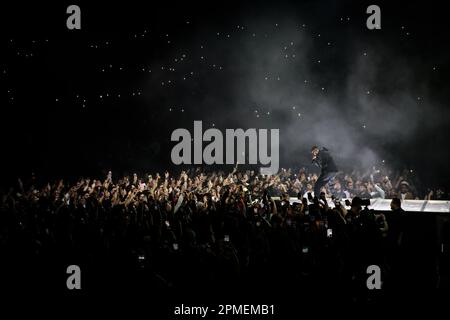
column 378, row 204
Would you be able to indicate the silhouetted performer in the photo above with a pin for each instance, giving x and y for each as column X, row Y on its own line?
column 323, row 159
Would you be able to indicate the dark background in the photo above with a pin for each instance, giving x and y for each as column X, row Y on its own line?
column 55, row 124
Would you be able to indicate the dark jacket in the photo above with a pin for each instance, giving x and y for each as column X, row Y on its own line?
column 325, row 162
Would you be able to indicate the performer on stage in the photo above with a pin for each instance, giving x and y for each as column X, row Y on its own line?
column 323, row 159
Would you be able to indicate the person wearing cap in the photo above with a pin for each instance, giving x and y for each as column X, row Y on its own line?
column 355, row 207
column 364, row 241
column 405, row 191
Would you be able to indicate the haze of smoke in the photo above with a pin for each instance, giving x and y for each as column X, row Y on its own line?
column 370, row 102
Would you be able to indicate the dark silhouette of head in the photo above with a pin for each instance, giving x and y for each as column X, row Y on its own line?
column 396, row 204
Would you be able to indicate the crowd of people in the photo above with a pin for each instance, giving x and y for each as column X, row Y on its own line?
column 198, row 230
